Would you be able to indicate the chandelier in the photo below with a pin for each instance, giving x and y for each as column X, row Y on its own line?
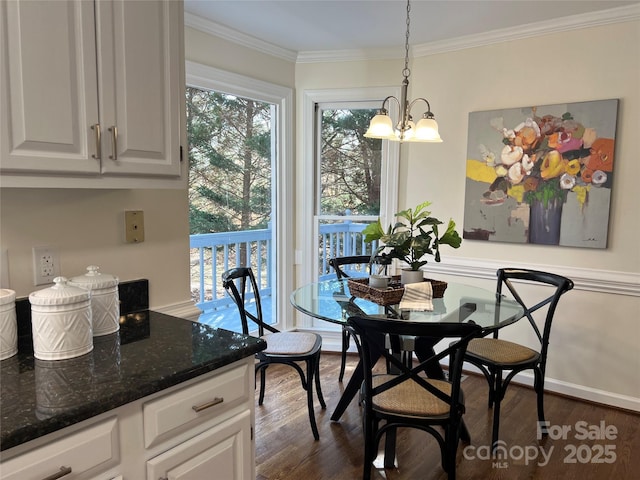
column 381, row 126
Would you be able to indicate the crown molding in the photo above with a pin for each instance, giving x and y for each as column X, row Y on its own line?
column 565, row 24
column 226, row 33
column 321, row 56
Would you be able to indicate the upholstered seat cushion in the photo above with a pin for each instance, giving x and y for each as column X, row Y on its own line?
column 500, row 351
column 409, row 398
column 289, row 343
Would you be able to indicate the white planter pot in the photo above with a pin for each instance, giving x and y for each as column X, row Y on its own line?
column 411, row 276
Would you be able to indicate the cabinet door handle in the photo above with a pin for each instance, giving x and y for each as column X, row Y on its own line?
column 114, row 143
column 63, row 471
column 96, row 129
column 203, row 406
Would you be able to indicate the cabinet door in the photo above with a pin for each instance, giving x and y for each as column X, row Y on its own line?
column 140, row 80
column 224, row 451
column 48, row 92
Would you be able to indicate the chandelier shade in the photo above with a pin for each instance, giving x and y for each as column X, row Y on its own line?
column 405, row 130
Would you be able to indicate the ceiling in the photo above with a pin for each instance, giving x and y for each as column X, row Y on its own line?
column 327, row 25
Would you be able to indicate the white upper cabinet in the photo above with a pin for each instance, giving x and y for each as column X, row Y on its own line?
column 92, row 93
column 49, row 87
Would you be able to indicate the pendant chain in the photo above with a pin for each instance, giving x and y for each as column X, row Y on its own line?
column 406, row 72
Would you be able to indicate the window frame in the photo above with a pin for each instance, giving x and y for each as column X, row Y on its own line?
column 307, row 210
column 211, row 78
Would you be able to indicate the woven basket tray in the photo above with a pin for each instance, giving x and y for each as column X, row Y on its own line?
column 359, row 287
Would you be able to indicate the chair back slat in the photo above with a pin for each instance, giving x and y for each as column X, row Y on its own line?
column 371, row 332
column 338, row 263
column 560, row 284
column 240, row 283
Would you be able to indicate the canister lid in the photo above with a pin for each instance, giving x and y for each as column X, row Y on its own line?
column 7, row 296
column 94, row 279
column 60, row 294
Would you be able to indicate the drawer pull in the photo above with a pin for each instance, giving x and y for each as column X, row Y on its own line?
column 215, row 401
column 63, row 471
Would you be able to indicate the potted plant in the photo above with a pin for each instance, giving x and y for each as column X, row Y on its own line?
column 414, row 235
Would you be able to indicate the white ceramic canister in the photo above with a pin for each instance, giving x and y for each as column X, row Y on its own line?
column 8, row 324
column 105, row 302
column 61, row 321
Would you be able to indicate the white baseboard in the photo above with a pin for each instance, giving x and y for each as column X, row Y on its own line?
column 581, row 392
column 186, row 310
column 332, row 342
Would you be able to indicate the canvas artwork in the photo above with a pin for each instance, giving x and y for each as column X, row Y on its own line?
column 542, row 174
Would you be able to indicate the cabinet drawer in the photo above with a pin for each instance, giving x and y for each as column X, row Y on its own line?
column 81, row 451
column 222, row 452
column 185, row 408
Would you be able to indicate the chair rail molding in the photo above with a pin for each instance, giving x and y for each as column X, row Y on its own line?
column 602, row 281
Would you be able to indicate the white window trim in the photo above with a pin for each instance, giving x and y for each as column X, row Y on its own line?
column 204, row 76
column 306, row 212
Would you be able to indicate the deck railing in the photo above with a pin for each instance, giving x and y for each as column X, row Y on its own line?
column 213, row 253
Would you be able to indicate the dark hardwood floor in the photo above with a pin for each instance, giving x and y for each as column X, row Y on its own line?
column 285, row 448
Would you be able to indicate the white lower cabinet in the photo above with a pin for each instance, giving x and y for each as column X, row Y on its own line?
column 201, row 429
column 92, row 449
column 220, row 453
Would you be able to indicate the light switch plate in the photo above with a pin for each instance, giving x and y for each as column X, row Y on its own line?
column 134, row 226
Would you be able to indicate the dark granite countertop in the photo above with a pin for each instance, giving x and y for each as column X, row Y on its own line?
column 151, row 352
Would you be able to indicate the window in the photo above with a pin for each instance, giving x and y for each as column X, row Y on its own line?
column 354, row 179
column 239, row 162
column 349, row 175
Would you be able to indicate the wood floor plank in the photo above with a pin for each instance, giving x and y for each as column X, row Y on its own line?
column 286, row 450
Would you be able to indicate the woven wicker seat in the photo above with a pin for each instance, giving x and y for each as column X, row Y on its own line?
column 493, row 356
column 500, row 351
column 288, row 348
column 409, row 399
column 289, row 343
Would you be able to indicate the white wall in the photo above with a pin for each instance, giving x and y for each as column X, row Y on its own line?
column 86, row 227
column 594, row 351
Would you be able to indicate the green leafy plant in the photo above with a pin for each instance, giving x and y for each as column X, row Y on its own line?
column 414, row 235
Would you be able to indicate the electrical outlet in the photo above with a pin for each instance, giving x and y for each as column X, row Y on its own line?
column 46, row 265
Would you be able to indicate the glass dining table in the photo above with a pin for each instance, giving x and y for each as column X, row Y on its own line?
column 331, row 301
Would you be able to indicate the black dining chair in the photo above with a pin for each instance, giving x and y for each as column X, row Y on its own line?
column 410, row 399
column 494, row 356
column 338, row 264
column 288, row 348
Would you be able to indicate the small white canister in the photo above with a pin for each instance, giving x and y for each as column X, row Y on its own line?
column 61, row 321
column 8, row 324
column 105, row 302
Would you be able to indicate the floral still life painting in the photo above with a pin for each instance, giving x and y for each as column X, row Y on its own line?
column 542, row 174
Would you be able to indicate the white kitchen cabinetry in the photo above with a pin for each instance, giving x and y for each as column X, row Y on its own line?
column 90, row 449
column 202, row 428
column 92, row 93
column 222, row 452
